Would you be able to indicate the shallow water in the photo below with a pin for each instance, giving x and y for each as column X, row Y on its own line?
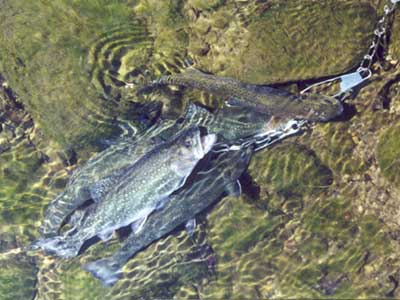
column 319, row 214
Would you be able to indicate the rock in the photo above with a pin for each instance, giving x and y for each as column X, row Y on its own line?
column 288, row 41
column 389, row 153
column 290, row 170
column 17, row 277
column 44, row 59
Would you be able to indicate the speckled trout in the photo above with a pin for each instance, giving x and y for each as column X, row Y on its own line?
column 102, row 169
column 209, row 182
column 98, row 175
column 311, row 107
column 92, row 180
column 146, row 187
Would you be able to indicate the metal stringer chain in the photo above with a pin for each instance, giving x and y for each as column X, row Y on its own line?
column 364, row 71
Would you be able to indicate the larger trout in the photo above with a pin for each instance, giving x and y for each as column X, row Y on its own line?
column 144, row 189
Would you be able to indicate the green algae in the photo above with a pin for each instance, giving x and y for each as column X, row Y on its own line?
column 347, row 24
column 303, row 237
column 46, row 67
column 274, row 42
column 336, row 148
column 394, row 48
column 388, row 153
column 78, row 284
column 17, row 277
column 233, row 238
column 321, row 253
column 20, row 204
column 206, row 4
column 290, row 170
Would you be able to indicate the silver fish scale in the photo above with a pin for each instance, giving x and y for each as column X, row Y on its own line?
column 108, row 164
column 140, row 191
column 131, row 193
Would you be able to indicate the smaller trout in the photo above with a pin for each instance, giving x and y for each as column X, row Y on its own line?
column 311, row 107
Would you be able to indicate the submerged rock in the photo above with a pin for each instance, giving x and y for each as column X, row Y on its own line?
column 298, row 235
column 389, row 154
column 73, row 80
column 290, row 170
column 17, row 277
column 280, row 41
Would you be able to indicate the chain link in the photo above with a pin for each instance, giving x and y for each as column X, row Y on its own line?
column 364, row 71
column 379, row 39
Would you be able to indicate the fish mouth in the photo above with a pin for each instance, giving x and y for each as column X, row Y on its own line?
column 206, row 143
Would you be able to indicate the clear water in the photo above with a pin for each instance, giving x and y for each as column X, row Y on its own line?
column 319, row 214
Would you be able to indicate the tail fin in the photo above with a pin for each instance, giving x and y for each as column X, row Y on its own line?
column 58, row 246
column 106, row 270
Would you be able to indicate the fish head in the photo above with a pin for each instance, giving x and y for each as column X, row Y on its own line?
column 318, row 108
column 194, row 145
column 190, row 146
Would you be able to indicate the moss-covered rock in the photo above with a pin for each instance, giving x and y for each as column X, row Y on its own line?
column 241, row 229
column 321, row 253
column 73, row 80
column 44, row 57
column 389, row 154
column 290, row 170
column 394, row 48
column 335, row 147
column 21, row 197
column 205, row 4
column 285, row 41
column 17, row 277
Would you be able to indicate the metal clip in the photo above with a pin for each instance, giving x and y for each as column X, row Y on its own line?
column 347, row 81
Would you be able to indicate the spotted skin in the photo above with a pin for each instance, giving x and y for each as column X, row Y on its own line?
column 208, row 184
column 142, row 190
column 311, row 107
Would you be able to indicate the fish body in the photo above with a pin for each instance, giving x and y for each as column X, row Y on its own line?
column 311, row 107
column 106, row 169
column 93, row 180
column 207, row 185
column 144, row 189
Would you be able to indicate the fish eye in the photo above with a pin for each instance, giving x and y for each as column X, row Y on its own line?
column 188, row 143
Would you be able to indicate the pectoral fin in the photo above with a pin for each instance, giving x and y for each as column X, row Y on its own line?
column 190, row 226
